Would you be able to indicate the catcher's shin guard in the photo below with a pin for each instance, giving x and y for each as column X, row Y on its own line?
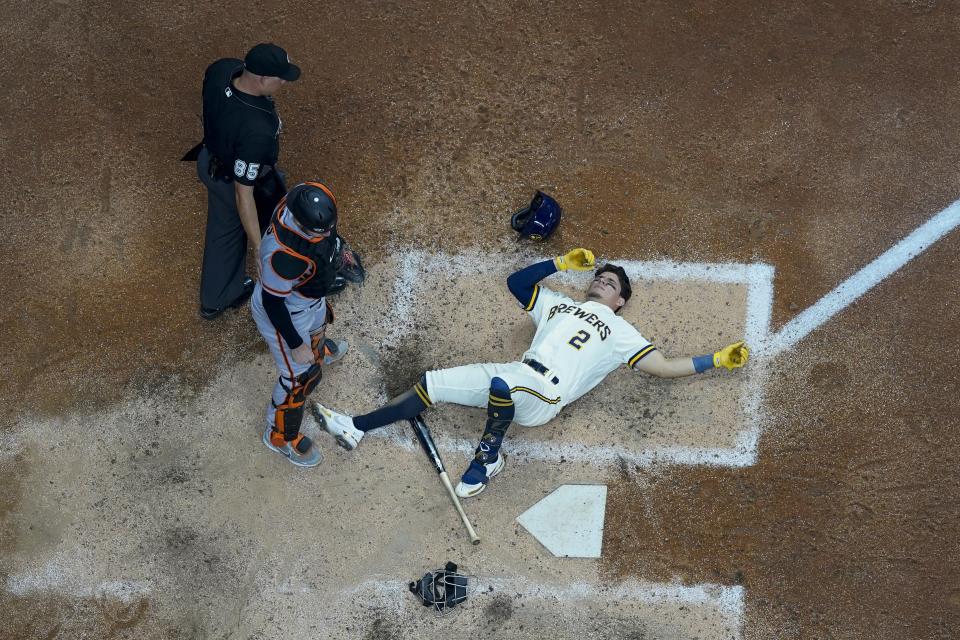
column 317, row 339
column 316, row 345
column 500, row 410
column 289, row 414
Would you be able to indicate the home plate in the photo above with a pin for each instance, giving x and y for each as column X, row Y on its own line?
column 569, row 521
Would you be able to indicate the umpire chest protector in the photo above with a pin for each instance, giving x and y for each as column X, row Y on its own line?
column 310, row 260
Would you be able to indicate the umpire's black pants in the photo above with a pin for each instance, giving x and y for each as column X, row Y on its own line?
column 225, row 241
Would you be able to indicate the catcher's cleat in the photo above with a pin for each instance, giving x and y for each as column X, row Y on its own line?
column 333, row 350
column 338, row 425
column 475, row 479
column 301, row 451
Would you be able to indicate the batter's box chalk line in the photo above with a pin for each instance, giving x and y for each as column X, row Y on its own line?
column 73, row 575
column 728, row 601
column 765, row 346
column 918, row 241
column 413, row 278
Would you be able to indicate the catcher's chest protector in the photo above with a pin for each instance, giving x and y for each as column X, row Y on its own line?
column 320, row 255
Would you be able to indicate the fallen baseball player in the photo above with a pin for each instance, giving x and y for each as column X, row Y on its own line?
column 576, row 345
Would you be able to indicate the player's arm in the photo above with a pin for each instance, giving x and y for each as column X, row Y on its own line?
column 247, row 207
column 247, row 167
column 279, row 315
column 650, row 360
column 276, row 308
column 523, row 284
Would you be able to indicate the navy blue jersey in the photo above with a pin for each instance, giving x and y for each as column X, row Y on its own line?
column 241, row 130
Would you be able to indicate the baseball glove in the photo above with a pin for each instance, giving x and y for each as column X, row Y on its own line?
column 349, row 266
column 732, row 356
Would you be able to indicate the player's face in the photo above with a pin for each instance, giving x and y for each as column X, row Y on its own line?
column 605, row 289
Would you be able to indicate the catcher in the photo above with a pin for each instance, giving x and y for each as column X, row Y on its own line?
column 303, row 260
column 575, row 346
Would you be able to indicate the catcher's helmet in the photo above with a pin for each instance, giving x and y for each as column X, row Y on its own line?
column 538, row 219
column 313, row 206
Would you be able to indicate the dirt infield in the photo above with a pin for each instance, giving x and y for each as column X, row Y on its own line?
column 809, row 137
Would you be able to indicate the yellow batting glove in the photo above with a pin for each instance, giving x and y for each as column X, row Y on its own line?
column 578, row 260
column 732, row 356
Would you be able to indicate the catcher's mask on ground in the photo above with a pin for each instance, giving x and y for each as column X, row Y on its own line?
column 441, row 589
column 538, row 219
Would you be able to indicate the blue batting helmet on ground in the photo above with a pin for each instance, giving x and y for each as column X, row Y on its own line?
column 538, row 219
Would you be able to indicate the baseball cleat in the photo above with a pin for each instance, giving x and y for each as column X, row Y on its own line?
column 477, row 476
column 302, row 451
column 333, row 350
column 338, row 425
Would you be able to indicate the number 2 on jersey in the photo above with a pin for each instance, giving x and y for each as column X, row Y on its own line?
column 577, row 341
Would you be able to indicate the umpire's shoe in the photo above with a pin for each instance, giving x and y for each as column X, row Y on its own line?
column 301, row 451
column 475, row 480
column 212, row 313
column 338, row 425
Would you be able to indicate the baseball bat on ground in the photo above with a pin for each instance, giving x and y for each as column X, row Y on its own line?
column 430, row 448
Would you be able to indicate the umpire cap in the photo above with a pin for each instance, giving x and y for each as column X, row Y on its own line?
column 267, row 59
column 313, row 206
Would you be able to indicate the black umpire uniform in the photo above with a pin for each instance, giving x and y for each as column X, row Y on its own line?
column 240, row 144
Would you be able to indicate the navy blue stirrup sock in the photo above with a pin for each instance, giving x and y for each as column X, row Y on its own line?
column 407, row 405
column 500, row 410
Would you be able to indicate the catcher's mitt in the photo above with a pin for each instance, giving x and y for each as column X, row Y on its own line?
column 349, row 268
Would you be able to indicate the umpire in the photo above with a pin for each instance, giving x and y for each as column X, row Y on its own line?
column 237, row 162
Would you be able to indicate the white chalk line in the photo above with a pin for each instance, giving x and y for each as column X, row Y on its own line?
column 52, row 579
column 416, row 267
column 858, row 284
column 75, row 574
column 743, row 454
column 9, row 446
column 758, row 279
column 727, row 600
